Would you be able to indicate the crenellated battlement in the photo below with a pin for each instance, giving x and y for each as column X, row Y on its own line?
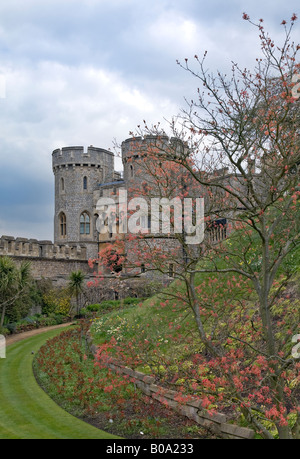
column 135, row 147
column 77, row 156
column 32, row 248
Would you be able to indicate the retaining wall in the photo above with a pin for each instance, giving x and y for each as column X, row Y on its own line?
column 189, row 407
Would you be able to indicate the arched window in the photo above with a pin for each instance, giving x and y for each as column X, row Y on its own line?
column 85, row 183
column 62, row 225
column 85, row 226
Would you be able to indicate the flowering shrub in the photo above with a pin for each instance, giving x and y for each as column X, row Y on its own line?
column 68, row 373
column 161, row 339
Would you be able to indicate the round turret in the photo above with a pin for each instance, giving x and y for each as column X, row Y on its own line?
column 134, row 152
column 77, row 175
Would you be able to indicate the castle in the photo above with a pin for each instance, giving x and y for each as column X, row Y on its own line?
column 81, row 178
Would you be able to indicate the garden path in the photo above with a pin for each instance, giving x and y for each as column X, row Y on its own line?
column 20, row 336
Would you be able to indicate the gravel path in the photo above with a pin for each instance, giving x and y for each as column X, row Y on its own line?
column 20, row 336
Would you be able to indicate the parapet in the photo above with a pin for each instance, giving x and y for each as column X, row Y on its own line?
column 140, row 146
column 77, row 156
column 32, row 248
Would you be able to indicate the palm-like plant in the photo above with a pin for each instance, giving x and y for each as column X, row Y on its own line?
column 76, row 282
column 14, row 283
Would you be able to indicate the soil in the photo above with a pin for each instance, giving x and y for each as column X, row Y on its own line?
column 173, row 425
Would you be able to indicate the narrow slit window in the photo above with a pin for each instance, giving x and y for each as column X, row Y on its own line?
column 63, row 225
column 85, row 183
column 171, row 270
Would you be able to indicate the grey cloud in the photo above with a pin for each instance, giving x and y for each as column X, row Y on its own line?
column 88, row 71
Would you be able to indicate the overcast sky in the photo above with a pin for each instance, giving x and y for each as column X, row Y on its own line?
column 86, row 72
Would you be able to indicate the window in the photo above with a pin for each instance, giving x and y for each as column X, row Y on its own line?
column 85, row 183
column 96, row 216
column 63, row 225
column 171, row 270
column 131, row 170
column 217, row 230
column 85, row 226
column 62, row 184
column 145, row 187
column 145, row 222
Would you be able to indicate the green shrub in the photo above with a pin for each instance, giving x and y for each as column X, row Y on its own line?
column 59, row 318
column 85, row 312
column 49, row 321
column 93, row 307
column 4, row 331
column 11, row 327
column 110, row 304
column 134, row 300
column 30, row 320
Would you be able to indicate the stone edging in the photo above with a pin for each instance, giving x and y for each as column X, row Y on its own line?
column 191, row 408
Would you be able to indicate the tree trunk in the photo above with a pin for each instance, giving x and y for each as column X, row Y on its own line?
column 2, row 315
column 284, row 432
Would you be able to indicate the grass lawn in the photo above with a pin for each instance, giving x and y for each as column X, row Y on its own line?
column 26, row 412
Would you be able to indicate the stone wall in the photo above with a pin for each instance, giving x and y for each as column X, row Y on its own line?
column 48, row 260
column 58, row 271
column 22, row 247
column 187, row 406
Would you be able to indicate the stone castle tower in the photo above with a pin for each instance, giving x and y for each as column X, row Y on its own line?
column 78, row 174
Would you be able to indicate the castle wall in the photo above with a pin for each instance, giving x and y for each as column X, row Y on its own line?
column 48, row 260
column 22, row 247
column 81, row 179
column 58, row 271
